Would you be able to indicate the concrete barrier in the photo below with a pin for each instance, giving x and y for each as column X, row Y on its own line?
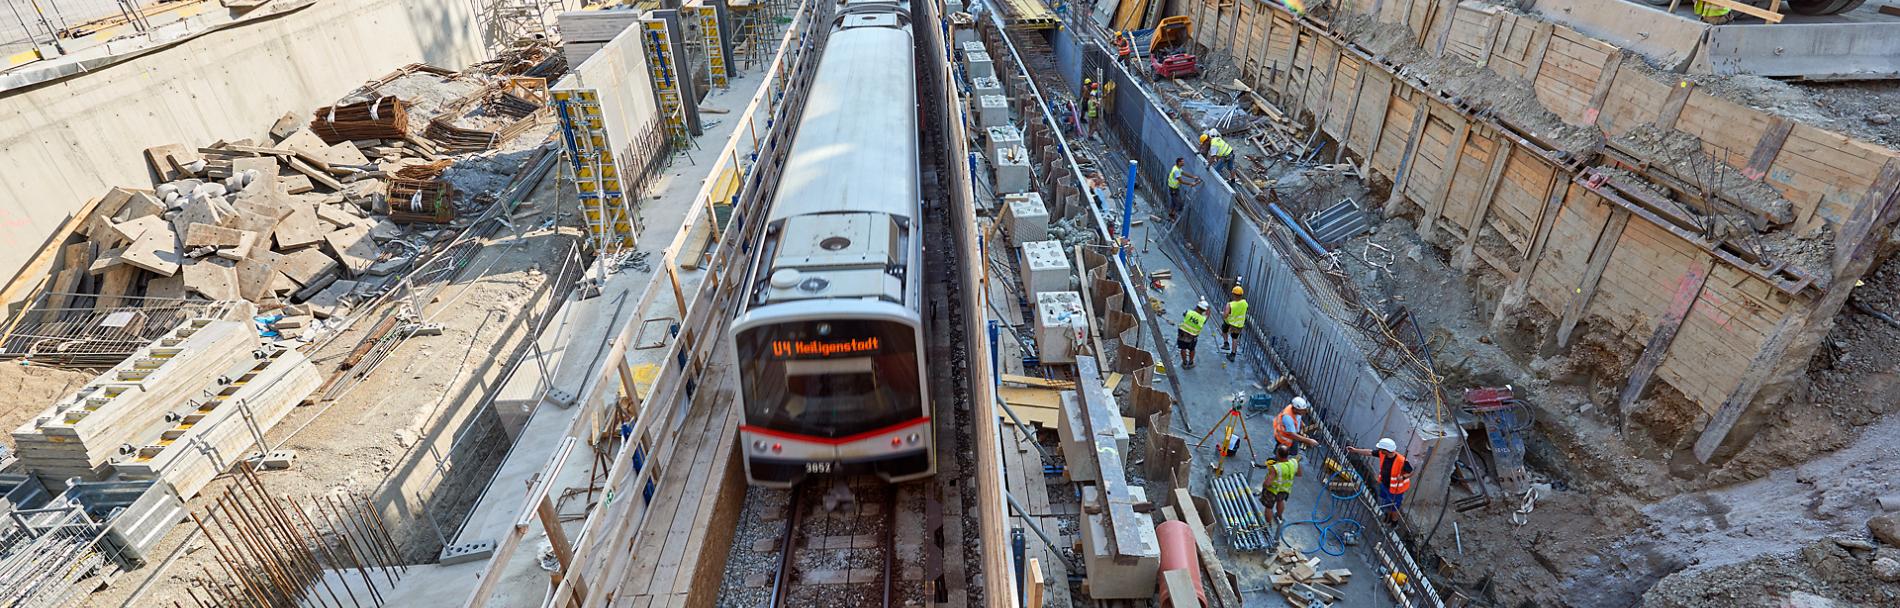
column 65, row 141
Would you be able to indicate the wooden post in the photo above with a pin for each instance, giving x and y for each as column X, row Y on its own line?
column 1593, row 275
column 1455, row 153
column 1032, row 592
column 1688, row 288
column 1513, row 298
column 1420, row 110
column 1500, row 156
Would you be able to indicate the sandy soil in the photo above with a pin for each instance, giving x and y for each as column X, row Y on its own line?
column 29, row 389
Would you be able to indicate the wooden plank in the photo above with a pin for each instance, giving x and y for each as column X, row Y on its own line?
column 1452, row 156
column 1535, row 64
column 1033, row 590
column 1750, row 9
column 1602, row 90
column 1514, row 296
column 1599, row 259
column 1210, row 560
column 1491, row 38
column 31, row 275
column 1688, row 288
column 1488, row 194
column 1768, row 148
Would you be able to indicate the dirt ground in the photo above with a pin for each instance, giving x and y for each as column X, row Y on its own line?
column 29, row 389
column 1624, row 515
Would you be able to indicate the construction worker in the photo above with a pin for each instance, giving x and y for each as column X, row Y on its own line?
column 1190, row 334
column 1222, row 154
column 1281, row 468
column 1236, row 315
column 1288, row 426
column 1178, row 175
column 1713, row 14
column 1395, row 476
column 1206, row 138
column 1095, row 108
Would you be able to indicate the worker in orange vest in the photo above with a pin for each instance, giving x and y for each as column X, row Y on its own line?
column 1288, row 425
column 1395, row 476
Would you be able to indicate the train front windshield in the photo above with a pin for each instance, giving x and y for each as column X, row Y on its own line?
column 830, row 378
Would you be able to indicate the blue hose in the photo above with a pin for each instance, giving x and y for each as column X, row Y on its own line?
column 1332, row 532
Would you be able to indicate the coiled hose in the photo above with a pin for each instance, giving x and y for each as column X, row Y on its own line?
column 1332, row 532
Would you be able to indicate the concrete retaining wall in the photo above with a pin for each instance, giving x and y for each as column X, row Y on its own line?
column 66, row 141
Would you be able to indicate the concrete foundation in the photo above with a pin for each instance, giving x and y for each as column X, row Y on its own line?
column 1012, row 170
column 68, row 140
column 985, row 87
column 999, row 139
column 992, row 111
column 1028, row 218
column 1059, row 318
column 1045, row 269
column 1111, row 578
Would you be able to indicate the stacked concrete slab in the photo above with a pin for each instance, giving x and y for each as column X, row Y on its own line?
column 79, row 435
column 1059, row 320
column 220, row 429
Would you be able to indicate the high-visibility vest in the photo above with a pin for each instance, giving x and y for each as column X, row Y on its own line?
column 1285, row 425
column 1095, row 107
column 1192, row 322
column 1174, row 177
column 1221, row 148
column 1237, row 313
column 1710, row 9
column 1284, row 471
column 1392, row 464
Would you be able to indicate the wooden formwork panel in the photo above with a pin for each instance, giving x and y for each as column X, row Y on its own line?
column 1522, row 191
column 1300, row 72
column 1641, row 278
column 1368, row 121
column 1516, row 46
column 1396, row 126
column 1258, row 47
column 1340, row 99
column 1824, row 174
column 1470, row 34
column 1728, row 131
column 1202, row 12
column 1279, row 46
column 1568, row 77
column 1243, row 35
column 1431, row 155
column 1723, row 331
column 1474, row 167
column 1634, row 100
column 1579, row 221
column 1321, row 57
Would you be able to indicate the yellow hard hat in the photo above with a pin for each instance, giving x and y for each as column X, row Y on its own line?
column 1238, row 291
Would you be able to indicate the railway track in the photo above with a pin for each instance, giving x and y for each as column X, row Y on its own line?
column 840, row 549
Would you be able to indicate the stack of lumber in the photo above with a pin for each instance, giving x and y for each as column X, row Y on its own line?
column 223, row 428
column 379, row 118
column 1300, row 580
column 79, row 435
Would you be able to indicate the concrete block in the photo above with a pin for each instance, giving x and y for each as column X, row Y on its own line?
column 1028, row 218
column 254, row 278
column 466, row 552
column 1060, row 323
column 1046, row 268
column 266, row 167
column 979, row 65
column 155, row 250
column 353, row 247
column 1077, row 449
column 999, row 139
column 1108, row 576
column 213, row 278
column 166, row 287
column 212, row 235
column 329, row 302
column 1012, row 171
column 966, row 35
column 303, row 265
column 120, row 234
column 280, row 459
column 992, row 111
column 301, row 227
column 984, row 87
column 972, row 46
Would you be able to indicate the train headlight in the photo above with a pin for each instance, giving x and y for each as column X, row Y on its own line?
column 824, row 329
column 912, row 438
column 758, row 446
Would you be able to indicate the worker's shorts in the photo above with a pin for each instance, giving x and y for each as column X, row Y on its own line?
column 1186, row 341
column 1389, row 502
column 1270, row 498
column 1233, row 331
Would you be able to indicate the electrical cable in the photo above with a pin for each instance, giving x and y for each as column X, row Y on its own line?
column 1333, row 533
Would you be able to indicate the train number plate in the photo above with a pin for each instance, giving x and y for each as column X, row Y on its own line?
column 817, row 467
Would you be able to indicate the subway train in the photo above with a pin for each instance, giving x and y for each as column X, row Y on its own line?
column 829, row 340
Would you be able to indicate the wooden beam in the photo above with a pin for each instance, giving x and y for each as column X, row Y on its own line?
column 1602, row 91
column 1032, row 592
column 1513, row 298
column 1210, row 560
column 1688, row 288
column 26, row 282
column 1767, row 148
column 1457, row 153
column 1500, row 156
column 1420, row 110
column 1673, row 104
column 1593, row 275
column 1534, row 65
column 1854, row 257
column 1491, row 38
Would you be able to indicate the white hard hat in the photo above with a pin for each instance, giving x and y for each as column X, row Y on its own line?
column 1202, row 305
column 1299, row 403
column 1210, row 133
column 1388, row 445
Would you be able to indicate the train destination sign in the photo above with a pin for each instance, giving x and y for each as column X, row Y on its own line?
column 821, row 348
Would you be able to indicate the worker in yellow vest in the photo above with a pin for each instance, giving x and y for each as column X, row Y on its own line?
column 1712, row 13
column 1236, row 316
column 1178, row 175
column 1222, row 154
column 1190, row 334
column 1282, row 468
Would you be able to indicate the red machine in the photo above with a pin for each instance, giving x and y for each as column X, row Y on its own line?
column 1176, row 66
column 1168, row 49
